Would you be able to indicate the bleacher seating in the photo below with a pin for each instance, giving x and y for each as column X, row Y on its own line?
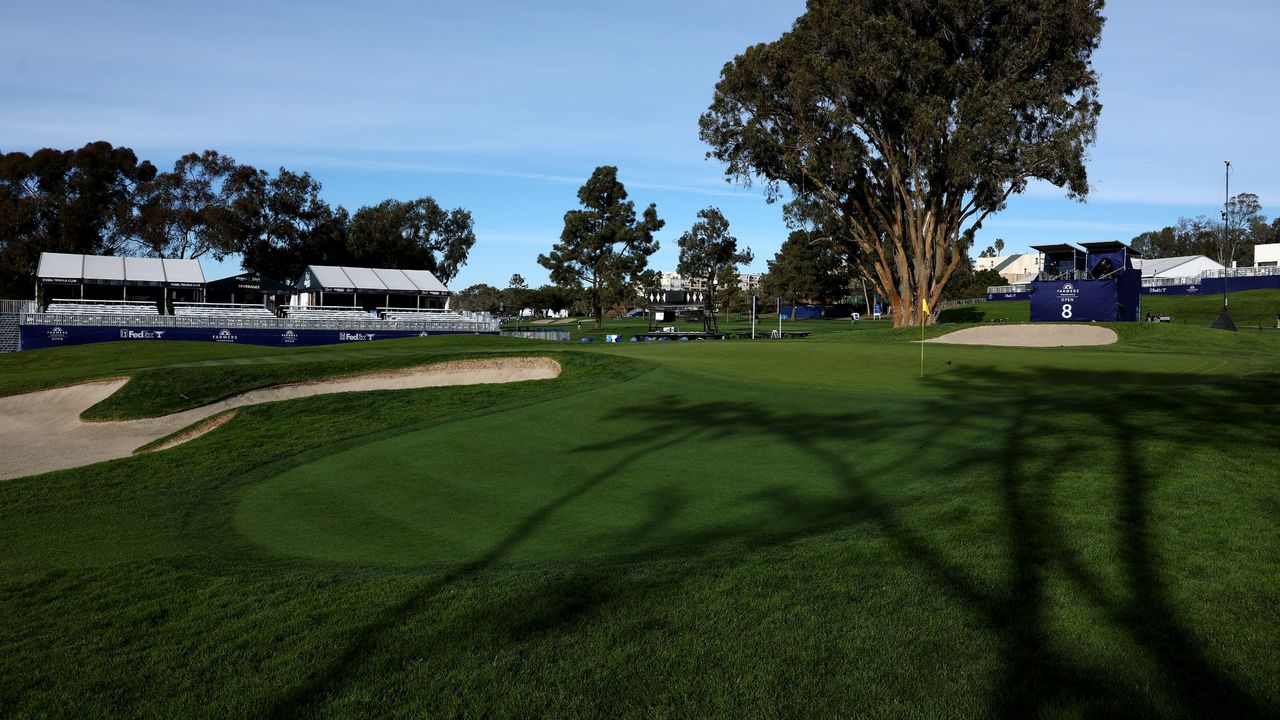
column 412, row 315
column 221, row 310
column 102, row 307
column 318, row 312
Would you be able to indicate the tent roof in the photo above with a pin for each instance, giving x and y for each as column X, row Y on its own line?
column 60, row 265
column 1059, row 249
column 249, row 281
column 395, row 280
column 116, row 269
column 103, row 267
column 425, row 281
column 1158, row 266
column 187, row 272
column 1106, row 246
column 371, row 280
column 144, row 270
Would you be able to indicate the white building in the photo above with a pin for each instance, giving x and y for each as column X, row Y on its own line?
column 1186, row 266
column 670, row 280
column 1266, row 255
column 1016, row 268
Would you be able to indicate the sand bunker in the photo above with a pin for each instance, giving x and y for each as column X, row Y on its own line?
column 42, row 431
column 1037, row 335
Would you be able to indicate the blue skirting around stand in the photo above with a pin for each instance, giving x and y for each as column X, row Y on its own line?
column 33, row 337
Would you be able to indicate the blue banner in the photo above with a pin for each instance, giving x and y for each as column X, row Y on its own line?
column 1082, row 301
column 1213, row 286
column 42, row 336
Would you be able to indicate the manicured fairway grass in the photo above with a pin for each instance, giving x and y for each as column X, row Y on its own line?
column 734, row 529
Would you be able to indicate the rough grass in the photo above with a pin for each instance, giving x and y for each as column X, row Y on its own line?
column 784, row 529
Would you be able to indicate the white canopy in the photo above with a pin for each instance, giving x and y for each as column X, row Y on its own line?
column 114, row 270
column 334, row 278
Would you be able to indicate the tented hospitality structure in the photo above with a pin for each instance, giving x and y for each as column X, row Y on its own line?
column 109, row 277
column 370, row 288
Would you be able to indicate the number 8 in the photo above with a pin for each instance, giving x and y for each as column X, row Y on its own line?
column 1066, row 312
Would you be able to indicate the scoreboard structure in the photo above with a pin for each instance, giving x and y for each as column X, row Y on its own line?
column 1096, row 284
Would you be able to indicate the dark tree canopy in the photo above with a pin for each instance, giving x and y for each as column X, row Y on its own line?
column 913, row 120
column 186, row 212
column 1201, row 235
column 481, row 297
column 707, row 248
column 281, row 224
column 73, row 201
column 807, row 269
column 603, row 248
column 102, row 200
column 415, row 234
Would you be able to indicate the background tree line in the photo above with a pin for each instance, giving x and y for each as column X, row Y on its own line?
column 1202, row 235
column 103, row 200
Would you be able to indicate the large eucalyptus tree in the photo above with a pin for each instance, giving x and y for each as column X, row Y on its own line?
column 912, row 121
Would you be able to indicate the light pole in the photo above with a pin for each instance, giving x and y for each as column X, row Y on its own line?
column 1224, row 321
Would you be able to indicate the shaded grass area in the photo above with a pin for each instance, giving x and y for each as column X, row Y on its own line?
column 722, row 530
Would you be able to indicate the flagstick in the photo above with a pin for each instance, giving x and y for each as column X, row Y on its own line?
column 921, row 344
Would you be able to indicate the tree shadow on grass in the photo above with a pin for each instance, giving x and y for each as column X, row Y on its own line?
column 1030, row 470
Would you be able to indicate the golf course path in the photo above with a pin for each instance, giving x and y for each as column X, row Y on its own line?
column 42, row 431
column 1037, row 335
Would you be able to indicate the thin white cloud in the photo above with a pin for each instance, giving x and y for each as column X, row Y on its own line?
column 1057, row 224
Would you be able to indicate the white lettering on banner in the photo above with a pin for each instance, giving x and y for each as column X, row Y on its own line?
column 290, row 336
column 225, row 336
column 354, row 337
column 1066, row 312
column 142, row 334
column 57, row 334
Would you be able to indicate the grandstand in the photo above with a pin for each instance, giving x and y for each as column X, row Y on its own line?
column 340, row 313
column 402, row 314
column 65, row 276
column 221, row 311
column 385, row 304
column 371, row 288
column 97, row 308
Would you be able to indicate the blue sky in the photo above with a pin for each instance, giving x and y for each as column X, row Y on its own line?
column 504, row 108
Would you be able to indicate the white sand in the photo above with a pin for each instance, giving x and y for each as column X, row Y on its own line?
column 1032, row 335
column 42, row 431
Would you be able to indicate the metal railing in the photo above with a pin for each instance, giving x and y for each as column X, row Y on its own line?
column 948, row 304
column 1265, row 271
column 551, row 335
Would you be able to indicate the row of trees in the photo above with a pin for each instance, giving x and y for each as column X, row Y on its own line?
column 604, row 249
column 103, row 200
column 896, row 128
column 1245, row 226
column 602, row 261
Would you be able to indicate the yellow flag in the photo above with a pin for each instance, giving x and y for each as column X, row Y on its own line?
column 924, row 303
